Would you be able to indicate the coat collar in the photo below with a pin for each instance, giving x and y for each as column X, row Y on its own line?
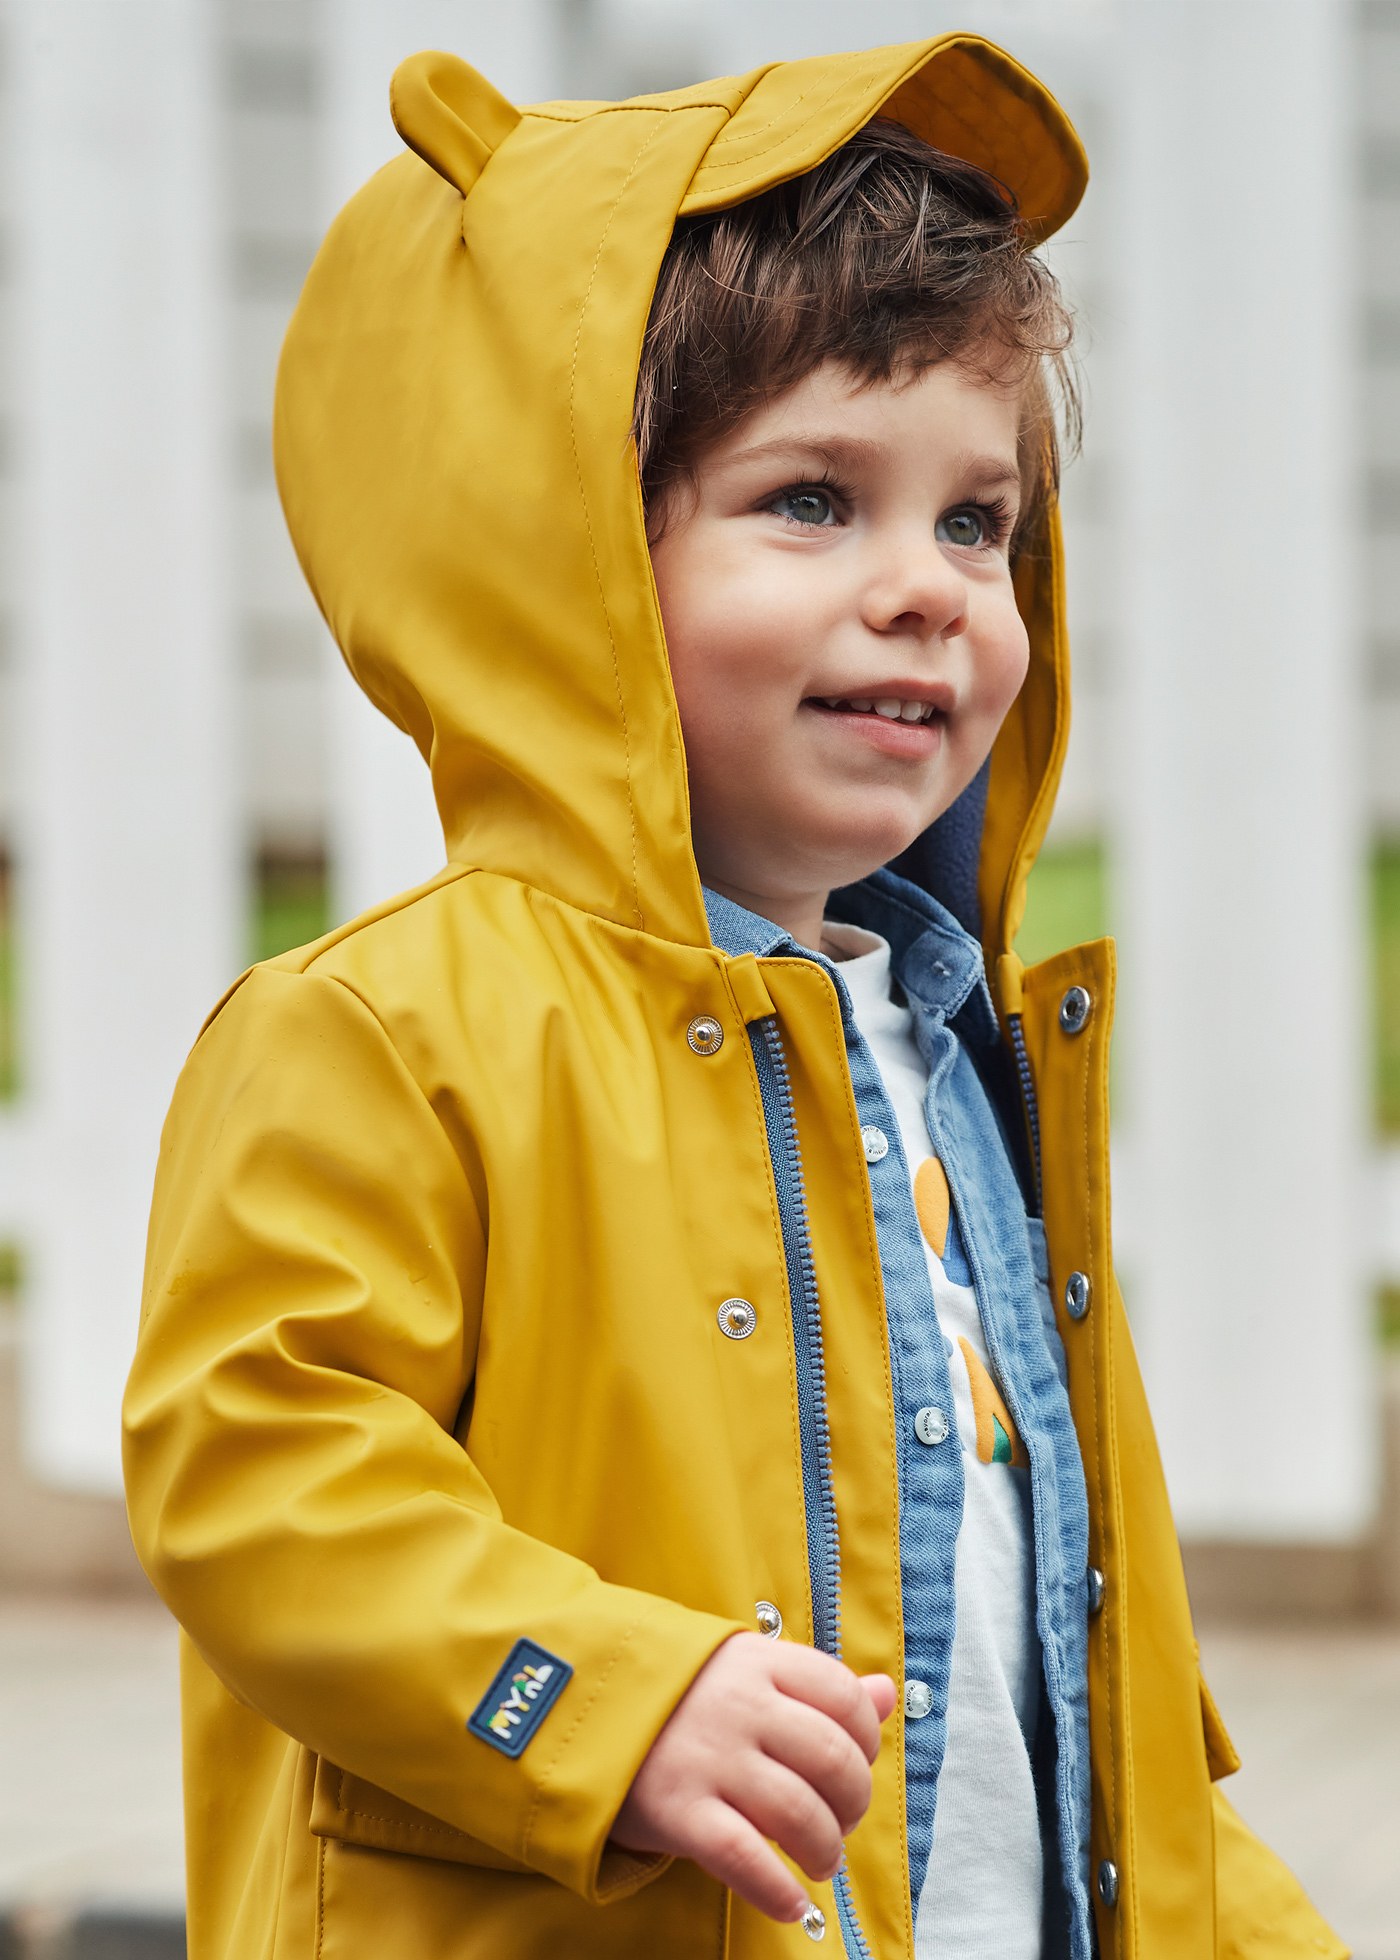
column 937, row 963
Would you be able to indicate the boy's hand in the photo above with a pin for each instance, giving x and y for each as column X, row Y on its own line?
column 771, row 1740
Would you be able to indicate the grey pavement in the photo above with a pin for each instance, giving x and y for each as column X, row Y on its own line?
column 90, row 1799
column 1315, row 1716
column 89, row 1778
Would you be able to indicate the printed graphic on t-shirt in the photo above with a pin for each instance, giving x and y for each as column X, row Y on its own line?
column 933, row 1205
column 997, row 1439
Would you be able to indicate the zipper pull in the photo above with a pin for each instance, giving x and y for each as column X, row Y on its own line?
column 750, row 991
column 1009, row 975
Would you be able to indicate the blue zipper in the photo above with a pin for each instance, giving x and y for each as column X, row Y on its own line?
column 823, row 1543
column 1032, row 1107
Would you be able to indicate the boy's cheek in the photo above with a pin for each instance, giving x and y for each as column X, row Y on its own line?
column 1001, row 673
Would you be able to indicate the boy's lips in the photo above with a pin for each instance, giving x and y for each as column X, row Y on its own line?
column 912, row 740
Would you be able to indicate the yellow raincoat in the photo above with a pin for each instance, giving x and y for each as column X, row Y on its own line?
column 447, row 1201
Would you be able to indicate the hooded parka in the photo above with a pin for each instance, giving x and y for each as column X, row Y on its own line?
column 448, row 1202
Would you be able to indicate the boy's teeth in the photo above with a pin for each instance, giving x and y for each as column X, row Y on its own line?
column 888, row 710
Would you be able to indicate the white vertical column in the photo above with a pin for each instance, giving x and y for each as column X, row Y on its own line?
column 131, row 915
column 384, row 829
column 1238, row 850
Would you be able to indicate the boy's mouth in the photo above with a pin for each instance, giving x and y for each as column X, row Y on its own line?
column 886, row 707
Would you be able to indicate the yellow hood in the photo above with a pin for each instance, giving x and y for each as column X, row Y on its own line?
column 451, row 435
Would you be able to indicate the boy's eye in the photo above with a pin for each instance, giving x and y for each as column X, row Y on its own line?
column 805, row 503
column 967, row 526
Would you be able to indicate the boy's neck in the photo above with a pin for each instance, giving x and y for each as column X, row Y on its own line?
column 800, row 916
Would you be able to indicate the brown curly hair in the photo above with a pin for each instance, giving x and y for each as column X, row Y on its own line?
column 887, row 258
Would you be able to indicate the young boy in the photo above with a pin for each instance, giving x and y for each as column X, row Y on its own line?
column 600, row 1335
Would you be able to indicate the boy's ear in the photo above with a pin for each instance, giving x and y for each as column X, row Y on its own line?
column 450, row 115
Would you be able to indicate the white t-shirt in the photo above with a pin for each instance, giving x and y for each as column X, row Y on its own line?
column 982, row 1896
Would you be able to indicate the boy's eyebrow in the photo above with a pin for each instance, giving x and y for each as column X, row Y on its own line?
column 839, row 452
column 832, row 451
column 987, row 472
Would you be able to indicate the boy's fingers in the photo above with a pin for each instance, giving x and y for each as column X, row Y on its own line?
column 827, row 1684
column 788, row 1810
column 734, row 1852
column 824, row 1755
column 882, row 1692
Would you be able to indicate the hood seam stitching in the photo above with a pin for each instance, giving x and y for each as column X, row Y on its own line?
column 625, row 108
column 588, row 519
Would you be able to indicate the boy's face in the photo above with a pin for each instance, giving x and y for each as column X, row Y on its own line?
column 843, row 635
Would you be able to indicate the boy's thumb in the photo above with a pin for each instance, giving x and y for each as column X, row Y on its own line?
column 881, row 1691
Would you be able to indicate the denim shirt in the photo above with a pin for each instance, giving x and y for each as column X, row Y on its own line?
column 940, row 969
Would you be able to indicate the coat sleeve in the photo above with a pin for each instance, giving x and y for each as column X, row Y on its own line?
column 297, row 1496
column 1261, row 1911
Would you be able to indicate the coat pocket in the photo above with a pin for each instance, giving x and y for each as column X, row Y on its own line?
column 1222, row 1758
column 351, row 1811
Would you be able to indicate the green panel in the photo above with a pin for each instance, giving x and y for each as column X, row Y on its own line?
column 1388, row 1315
column 291, row 907
column 1066, row 900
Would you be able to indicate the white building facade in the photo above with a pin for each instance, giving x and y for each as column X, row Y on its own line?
column 170, row 711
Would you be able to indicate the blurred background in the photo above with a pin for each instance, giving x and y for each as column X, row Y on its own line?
column 189, row 782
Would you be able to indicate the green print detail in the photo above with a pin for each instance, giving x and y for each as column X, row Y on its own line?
column 1001, row 1443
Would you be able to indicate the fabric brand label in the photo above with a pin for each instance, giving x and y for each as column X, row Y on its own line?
column 520, row 1697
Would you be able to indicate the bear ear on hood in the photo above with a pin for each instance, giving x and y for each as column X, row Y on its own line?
column 451, row 116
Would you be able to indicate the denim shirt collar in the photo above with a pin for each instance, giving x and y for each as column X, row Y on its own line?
column 937, row 963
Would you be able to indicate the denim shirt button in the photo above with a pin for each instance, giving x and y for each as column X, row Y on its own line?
column 918, row 1700
column 931, row 1426
column 877, row 1144
column 1095, row 1589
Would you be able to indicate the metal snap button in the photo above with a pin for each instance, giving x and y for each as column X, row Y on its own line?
column 1077, row 1295
column 918, row 1700
column 1094, row 1583
column 931, row 1426
column 814, row 1923
column 770, row 1620
column 877, row 1144
column 705, row 1035
column 737, row 1319
column 1074, row 1009
column 1108, row 1882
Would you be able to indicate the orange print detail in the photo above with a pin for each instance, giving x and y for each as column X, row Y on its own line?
column 997, row 1440
column 932, row 1202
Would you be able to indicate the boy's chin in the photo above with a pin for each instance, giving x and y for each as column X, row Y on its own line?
column 848, row 868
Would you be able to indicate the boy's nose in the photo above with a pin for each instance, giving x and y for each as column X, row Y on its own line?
column 932, row 613
column 917, row 592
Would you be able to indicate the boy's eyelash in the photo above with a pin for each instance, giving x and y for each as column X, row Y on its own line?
column 999, row 515
column 839, row 493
